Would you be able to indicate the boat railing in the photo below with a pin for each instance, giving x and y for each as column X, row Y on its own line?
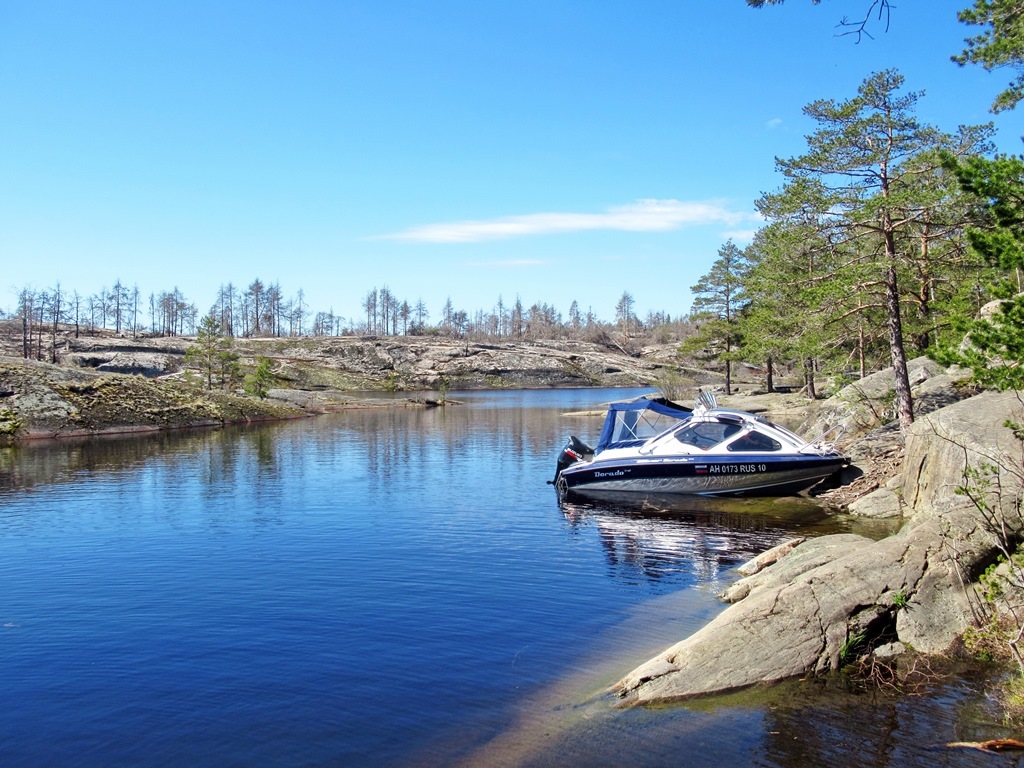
column 825, row 443
column 705, row 401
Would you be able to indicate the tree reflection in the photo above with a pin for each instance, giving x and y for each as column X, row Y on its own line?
column 213, row 458
column 46, row 462
column 828, row 723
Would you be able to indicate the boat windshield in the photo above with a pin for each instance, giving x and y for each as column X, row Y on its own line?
column 634, row 421
column 754, row 442
column 707, row 434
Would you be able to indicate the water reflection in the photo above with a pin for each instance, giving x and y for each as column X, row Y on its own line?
column 489, row 425
column 824, row 722
column 54, row 462
column 69, row 460
column 696, row 540
column 299, row 593
column 881, row 729
column 690, row 545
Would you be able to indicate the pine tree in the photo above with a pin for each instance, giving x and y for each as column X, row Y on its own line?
column 205, row 353
column 624, row 312
column 1000, row 46
column 718, row 299
column 783, row 319
column 863, row 165
column 258, row 382
column 996, row 349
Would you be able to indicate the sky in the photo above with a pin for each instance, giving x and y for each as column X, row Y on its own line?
column 551, row 150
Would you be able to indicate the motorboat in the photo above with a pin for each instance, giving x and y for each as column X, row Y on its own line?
column 652, row 445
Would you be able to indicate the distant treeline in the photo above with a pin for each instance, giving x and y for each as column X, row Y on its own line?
column 263, row 310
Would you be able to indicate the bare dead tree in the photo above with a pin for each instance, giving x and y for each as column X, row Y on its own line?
column 859, row 29
column 882, row 9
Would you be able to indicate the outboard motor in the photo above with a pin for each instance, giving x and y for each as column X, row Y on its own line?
column 575, row 450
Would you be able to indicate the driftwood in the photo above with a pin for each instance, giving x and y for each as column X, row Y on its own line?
column 995, row 745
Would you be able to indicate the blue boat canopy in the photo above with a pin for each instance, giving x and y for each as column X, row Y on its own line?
column 631, row 422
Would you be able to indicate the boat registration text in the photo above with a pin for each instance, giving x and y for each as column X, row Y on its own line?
column 730, row 469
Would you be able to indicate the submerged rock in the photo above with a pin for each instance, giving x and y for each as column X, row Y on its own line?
column 880, row 504
column 770, row 557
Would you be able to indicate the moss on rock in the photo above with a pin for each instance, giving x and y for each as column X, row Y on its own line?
column 51, row 400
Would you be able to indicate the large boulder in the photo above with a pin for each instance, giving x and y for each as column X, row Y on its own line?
column 868, row 403
column 970, row 434
column 832, row 599
column 880, row 504
column 149, row 364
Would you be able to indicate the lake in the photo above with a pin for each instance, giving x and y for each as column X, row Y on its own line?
column 393, row 587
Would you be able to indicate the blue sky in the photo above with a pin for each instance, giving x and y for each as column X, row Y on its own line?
column 469, row 149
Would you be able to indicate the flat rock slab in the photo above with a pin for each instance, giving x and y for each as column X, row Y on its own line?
column 800, row 615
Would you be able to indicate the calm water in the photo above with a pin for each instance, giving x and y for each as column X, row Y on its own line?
column 389, row 587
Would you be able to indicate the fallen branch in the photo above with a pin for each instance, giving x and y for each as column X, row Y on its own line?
column 995, row 745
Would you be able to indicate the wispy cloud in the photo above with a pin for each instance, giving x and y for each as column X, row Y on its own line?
column 775, row 122
column 646, row 215
column 508, row 263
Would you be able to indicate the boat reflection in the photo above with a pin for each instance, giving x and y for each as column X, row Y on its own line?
column 684, row 541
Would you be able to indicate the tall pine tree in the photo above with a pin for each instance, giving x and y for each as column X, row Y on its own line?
column 718, row 299
column 864, row 164
column 996, row 351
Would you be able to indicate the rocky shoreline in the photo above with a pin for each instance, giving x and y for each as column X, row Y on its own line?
column 816, row 606
column 109, row 384
column 41, row 400
column 808, row 608
column 397, row 363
